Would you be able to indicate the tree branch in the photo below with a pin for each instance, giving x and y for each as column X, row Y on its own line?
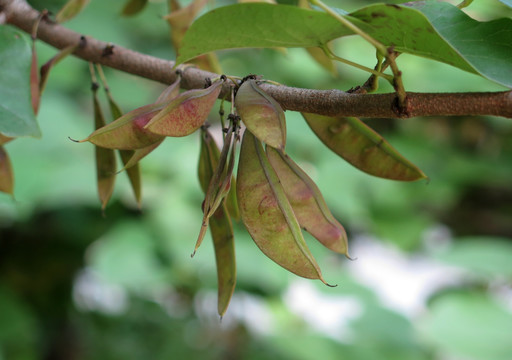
column 324, row 102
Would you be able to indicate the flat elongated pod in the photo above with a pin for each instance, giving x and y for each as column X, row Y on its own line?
column 362, row 147
column 220, row 224
column 185, row 113
column 308, row 203
column 267, row 213
column 262, row 115
column 223, row 243
column 105, row 160
column 220, row 182
column 6, row 173
column 127, row 132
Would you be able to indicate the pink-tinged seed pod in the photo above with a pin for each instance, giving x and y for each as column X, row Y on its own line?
column 262, row 115
column 267, row 213
column 308, row 203
column 185, row 113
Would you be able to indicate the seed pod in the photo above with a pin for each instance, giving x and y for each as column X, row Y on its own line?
column 127, row 132
column 262, row 115
column 362, row 147
column 6, row 174
column 220, row 225
column 220, row 183
column 223, row 243
column 308, row 203
column 209, row 159
column 105, row 160
column 186, row 113
column 267, row 213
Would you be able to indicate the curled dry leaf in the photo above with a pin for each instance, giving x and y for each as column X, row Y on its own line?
column 185, row 113
column 220, row 184
column 267, row 213
column 220, row 225
column 362, row 147
column 308, row 203
column 262, row 115
column 6, row 173
column 127, row 132
column 210, row 150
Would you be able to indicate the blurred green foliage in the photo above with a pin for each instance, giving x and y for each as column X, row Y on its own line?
column 76, row 285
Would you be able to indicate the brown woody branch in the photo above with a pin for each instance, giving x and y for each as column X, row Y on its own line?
column 325, row 102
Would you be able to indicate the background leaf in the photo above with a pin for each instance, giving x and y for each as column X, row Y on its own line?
column 16, row 113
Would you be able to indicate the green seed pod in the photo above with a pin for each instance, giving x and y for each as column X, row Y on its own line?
column 362, row 147
column 262, row 115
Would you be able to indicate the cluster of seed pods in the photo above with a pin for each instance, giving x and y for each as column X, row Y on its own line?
column 274, row 198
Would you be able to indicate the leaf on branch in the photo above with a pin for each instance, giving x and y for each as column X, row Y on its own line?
column 16, row 110
column 435, row 30
column 267, row 213
column 71, row 9
column 262, row 115
column 308, row 203
column 362, row 147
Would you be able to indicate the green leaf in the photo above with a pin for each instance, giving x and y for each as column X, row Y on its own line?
column 267, row 213
column 435, row 30
column 16, row 113
column 258, row 25
column 485, row 46
column 362, row 147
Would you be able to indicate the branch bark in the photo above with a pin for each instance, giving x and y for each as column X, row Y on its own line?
column 325, row 102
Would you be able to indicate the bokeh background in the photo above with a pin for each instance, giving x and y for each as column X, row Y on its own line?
column 432, row 278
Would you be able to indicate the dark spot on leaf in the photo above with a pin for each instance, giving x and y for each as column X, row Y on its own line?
column 378, row 14
column 395, row 6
